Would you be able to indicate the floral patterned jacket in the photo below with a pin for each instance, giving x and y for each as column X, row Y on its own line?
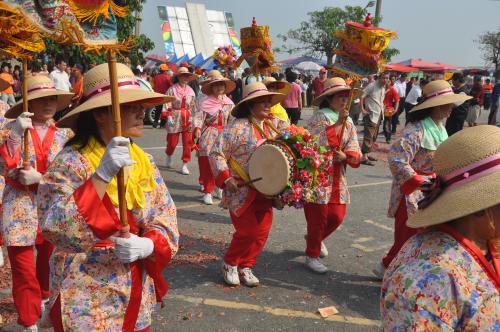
column 238, row 140
column 95, row 288
column 410, row 165
column 19, row 220
column 210, row 125
column 436, row 284
column 4, row 134
column 319, row 124
column 182, row 120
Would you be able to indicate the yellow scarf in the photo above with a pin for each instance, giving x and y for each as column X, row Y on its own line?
column 279, row 112
column 138, row 177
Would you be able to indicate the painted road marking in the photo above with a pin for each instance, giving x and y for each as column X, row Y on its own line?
column 275, row 311
column 376, row 224
column 367, row 250
column 369, row 184
column 363, row 239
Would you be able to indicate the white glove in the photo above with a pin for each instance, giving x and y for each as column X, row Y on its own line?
column 22, row 123
column 29, row 177
column 134, row 248
column 117, row 155
column 170, row 121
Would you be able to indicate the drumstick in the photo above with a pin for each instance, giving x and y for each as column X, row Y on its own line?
column 249, row 182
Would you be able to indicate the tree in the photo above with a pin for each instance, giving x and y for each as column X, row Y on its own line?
column 489, row 44
column 73, row 54
column 316, row 37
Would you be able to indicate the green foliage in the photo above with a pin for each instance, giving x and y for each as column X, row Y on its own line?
column 126, row 26
column 316, row 37
column 389, row 53
column 489, row 44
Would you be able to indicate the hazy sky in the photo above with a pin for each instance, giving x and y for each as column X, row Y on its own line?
column 435, row 30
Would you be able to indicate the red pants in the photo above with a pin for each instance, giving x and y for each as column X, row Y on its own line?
column 252, row 229
column 207, row 178
column 401, row 232
column 322, row 220
column 30, row 283
column 187, row 141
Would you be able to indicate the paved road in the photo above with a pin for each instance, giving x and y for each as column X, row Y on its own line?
column 290, row 295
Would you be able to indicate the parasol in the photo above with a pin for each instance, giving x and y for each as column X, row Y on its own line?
column 308, row 66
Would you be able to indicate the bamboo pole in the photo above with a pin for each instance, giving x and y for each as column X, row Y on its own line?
column 115, row 105
column 26, row 140
column 344, row 120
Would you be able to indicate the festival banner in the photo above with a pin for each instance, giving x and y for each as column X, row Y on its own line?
column 166, row 31
column 235, row 42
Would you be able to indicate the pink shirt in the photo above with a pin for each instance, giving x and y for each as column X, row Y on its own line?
column 293, row 97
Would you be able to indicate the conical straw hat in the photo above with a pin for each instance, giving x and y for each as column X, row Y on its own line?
column 330, row 87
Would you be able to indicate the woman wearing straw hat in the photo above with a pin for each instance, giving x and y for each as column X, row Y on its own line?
column 179, row 117
column 251, row 213
column 3, row 121
column 102, row 282
column 447, row 278
column 20, row 224
column 326, row 214
column 411, row 159
column 283, row 87
column 212, row 115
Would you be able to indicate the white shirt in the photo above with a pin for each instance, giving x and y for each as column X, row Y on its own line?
column 400, row 88
column 374, row 95
column 61, row 80
column 414, row 94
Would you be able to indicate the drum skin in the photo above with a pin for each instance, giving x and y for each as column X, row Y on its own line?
column 271, row 163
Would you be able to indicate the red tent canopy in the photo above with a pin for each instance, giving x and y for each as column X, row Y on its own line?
column 421, row 64
column 447, row 66
column 399, row 68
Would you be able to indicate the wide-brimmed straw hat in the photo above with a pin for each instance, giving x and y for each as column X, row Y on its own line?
column 214, row 76
column 438, row 93
column 331, row 86
column 468, row 168
column 97, row 92
column 282, row 86
column 255, row 90
column 40, row 86
column 185, row 71
column 3, row 84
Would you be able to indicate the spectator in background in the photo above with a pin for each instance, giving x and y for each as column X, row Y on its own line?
column 400, row 86
column 7, row 95
column 45, row 70
column 194, row 84
column 161, row 84
column 372, row 108
column 78, row 84
column 495, row 104
column 488, row 89
column 293, row 101
column 413, row 97
column 60, row 77
column 476, row 103
column 391, row 105
column 17, row 82
column 318, row 83
column 459, row 113
column 409, row 84
column 236, row 93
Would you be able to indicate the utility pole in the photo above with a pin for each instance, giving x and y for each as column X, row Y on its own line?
column 378, row 8
column 137, row 31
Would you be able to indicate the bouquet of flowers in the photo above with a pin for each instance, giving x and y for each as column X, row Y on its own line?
column 314, row 168
column 224, row 56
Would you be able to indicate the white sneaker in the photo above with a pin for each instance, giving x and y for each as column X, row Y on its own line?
column 1, row 257
column 316, row 264
column 379, row 271
column 218, row 193
column 248, row 278
column 32, row 328
column 168, row 162
column 185, row 169
column 230, row 274
column 207, row 199
column 324, row 250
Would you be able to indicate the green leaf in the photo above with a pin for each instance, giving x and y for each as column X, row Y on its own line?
column 301, row 163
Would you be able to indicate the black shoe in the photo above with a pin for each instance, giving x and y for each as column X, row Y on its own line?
column 367, row 162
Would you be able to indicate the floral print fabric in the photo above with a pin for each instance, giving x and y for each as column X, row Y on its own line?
column 434, row 284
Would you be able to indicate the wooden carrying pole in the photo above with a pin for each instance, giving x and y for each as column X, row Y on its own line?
column 344, row 120
column 115, row 105
column 26, row 141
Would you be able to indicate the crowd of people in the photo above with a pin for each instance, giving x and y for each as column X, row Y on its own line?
column 60, row 195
